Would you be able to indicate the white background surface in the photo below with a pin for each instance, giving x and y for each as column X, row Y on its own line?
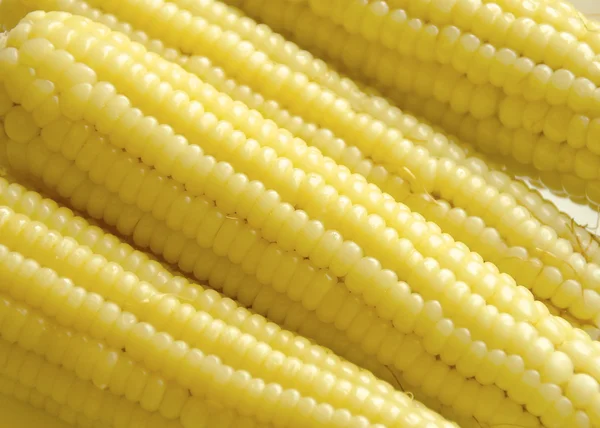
column 588, row 6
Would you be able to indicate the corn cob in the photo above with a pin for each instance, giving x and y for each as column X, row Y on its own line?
column 160, row 302
column 395, row 194
column 33, row 399
column 476, row 58
column 567, row 181
column 509, row 272
column 198, row 337
column 483, row 133
column 38, row 151
column 82, row 8
column 63, row 221
column 200, row 67
column 142, row 338
column 380, row 106
column 262, row 171
column 558, row 49
column 67, row 382
column 48, row 211
column 537, row 250
column 499, row 14
column 491, row 138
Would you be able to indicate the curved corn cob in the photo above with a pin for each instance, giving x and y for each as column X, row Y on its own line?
column 159, row 303
column 464, row 76
column 63, row 221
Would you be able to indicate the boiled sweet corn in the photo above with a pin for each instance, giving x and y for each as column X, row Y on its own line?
column 303, row 195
